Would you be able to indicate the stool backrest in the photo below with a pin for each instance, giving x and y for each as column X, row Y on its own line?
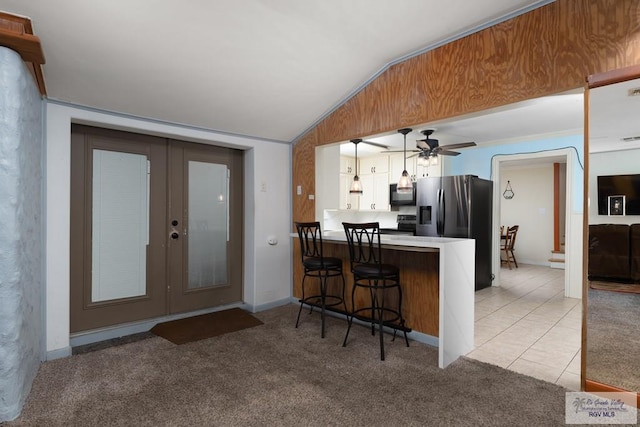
column 364, row 243
column 310, row 237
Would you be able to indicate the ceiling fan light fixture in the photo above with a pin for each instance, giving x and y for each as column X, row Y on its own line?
column 405, row 185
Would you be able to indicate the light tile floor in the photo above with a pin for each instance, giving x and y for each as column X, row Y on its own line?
column 528, row 326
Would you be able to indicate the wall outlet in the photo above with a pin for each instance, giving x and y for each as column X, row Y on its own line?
column 263, row 186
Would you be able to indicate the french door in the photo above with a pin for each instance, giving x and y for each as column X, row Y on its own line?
column 155, row 227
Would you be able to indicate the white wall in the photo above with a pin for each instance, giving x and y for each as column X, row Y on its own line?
column 267, row 268
column 327, row 179
column 532, row 209
column 624, row 162
column 21, row 251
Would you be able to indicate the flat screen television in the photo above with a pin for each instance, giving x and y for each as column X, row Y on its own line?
column 610, row 190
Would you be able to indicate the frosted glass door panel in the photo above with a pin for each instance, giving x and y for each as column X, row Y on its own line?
column 208, row 228
column 120, row 225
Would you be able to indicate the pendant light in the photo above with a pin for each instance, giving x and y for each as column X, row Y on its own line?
column 356, row 186
column 405, row 186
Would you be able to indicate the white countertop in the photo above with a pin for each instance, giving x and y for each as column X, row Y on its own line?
column 396, row 239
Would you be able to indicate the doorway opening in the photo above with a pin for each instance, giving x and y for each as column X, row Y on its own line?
column 572, row 232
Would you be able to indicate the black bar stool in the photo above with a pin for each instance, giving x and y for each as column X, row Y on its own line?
column 317, row 265
column 370, row 273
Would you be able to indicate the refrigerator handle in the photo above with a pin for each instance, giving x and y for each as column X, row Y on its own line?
column 438, row 213
column 439, row 225
column 442, row 213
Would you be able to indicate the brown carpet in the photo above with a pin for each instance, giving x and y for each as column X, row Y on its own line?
column 633, row 288
column 277, row 375
column 613, row 320
column 210, row 325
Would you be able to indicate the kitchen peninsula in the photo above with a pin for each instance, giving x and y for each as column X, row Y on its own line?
column 437, row 279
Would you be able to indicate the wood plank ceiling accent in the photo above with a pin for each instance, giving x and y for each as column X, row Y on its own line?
column 548, row 50
column 16, row 33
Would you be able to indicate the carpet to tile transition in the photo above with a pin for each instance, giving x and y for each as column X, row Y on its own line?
column 197, row 328
column 633, row 288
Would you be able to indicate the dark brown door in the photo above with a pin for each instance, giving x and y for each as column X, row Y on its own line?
column 155, row 227
column 205, row 245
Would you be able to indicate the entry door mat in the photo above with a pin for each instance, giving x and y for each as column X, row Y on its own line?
column 197, row 328
column 633, row 288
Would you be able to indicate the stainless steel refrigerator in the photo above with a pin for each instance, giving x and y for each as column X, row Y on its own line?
column 458, row 206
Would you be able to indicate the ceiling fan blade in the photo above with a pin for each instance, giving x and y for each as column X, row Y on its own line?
column 459, row 145
column 375, row 144
column 413, row 155
column 420, row 143
column 446, row 152
column 402, row 151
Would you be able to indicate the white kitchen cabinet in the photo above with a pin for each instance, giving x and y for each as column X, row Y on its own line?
column 396, row 162
column 347, row 201
column 374, row 164
column 374, row 175
column 347, row 165
column 375, row 192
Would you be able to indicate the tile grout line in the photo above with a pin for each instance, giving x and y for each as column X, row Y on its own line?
column 548, row 279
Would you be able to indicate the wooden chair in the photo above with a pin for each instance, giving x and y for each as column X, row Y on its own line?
column 508, row 245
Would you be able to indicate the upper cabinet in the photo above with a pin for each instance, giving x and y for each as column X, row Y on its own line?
column 374, row 164
column 347, row 165
column 396, row 163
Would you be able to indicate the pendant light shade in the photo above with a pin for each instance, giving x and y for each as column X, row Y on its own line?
column 405, row 185
column 356, row 185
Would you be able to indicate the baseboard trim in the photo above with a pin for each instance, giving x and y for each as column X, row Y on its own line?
column 269, row 305
column 595, row 387
column 59, row 353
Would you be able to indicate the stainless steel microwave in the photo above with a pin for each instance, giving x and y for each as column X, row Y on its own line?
column 401, row 199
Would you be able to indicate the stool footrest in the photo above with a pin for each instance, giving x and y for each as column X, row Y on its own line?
column 390, row 323
column 315, row 300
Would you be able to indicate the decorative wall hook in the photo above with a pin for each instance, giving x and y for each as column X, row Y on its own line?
column 508, row 192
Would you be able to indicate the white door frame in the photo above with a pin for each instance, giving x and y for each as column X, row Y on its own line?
column 573, row 235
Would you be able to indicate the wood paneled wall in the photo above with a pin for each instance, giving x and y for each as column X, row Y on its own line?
column 548, row 50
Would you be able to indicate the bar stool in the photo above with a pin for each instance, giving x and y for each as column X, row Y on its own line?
column 317, row 265
column 371, row 274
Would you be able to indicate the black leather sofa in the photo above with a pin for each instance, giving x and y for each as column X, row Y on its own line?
column 614, row 252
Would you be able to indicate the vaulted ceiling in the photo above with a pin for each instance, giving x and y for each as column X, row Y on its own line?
column 269, row 69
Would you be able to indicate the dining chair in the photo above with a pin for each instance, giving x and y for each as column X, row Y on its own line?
column 508, row 245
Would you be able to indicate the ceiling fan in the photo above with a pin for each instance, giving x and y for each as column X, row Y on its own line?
column 429, row 147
